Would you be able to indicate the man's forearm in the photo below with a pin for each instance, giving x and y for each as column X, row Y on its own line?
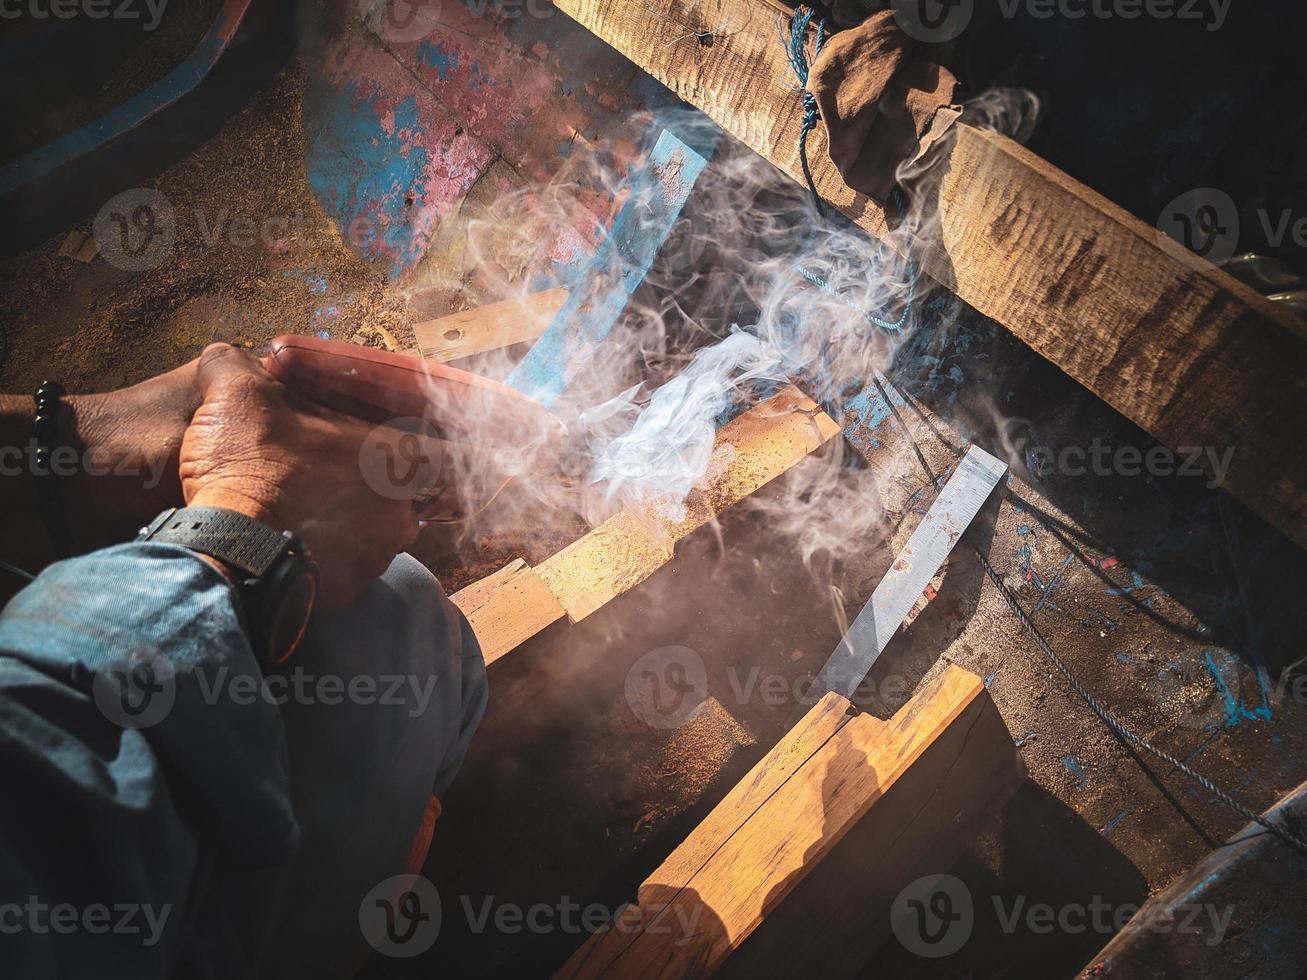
column 114, row 464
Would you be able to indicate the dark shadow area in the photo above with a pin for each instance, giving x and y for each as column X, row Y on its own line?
column 1037, row 853
column 1147, row 108
column 51, row 204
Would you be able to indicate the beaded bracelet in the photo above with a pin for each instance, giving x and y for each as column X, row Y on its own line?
column 46, row 428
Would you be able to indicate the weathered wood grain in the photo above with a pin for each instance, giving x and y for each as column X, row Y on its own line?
column 823, row 720
column 507, row 608
column 1184, row 350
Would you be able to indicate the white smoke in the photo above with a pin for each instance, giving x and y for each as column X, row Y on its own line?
column 752, row 287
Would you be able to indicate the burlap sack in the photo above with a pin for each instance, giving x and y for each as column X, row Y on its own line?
column 880, row 107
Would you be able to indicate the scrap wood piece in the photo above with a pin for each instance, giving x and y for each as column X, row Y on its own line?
column 838, row 915
column 80, row 246
column 387, row 338
column 751, row 450
column 813, row 730
column 654, row 202
column 909, row 768
column 1179, row 347
column 489, row 327
column 474, row 596
column 507, row 608
column 949, row 516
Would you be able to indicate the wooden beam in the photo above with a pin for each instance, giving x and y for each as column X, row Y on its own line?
column 778, row 831
column 1182, row 349
column 517, row 602
column 751, row 450
column 1253, row 900
column 507, row 608
column 814, row 730
column 489, row 327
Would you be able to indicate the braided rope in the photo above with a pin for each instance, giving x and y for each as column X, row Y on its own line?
column 796, row 51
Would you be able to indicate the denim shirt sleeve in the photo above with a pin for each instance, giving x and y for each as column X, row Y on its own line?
column 128, row 762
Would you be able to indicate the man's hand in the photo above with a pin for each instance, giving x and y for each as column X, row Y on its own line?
column 255, row 447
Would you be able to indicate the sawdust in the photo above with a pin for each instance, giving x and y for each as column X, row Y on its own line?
column 689, row 760
column 460, row 563
column 699, row 750
column 253, row 256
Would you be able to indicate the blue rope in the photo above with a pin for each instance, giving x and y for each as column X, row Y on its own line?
column 796, row 50
column 872, row 318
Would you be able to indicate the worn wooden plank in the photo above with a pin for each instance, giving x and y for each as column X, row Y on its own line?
column 751, row 450
column 1181, row 348
column 814, row 729
column 489, row 327
column 1242, row 911
column 474, row 596
column 843, row 910
column 753, row 870
column 507, row 608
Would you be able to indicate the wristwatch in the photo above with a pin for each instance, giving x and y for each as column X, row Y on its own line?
column 273, row 573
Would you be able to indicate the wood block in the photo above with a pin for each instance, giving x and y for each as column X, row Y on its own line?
column 818, row 724
column 946, row 752
column 488, row 327
column 814, row 729
column 1181, row 348
column 836, row 918
column 507, row 608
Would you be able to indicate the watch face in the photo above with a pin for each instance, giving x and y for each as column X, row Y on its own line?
column 290, row 618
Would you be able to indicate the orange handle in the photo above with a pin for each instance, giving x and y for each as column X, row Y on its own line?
column 381, row 387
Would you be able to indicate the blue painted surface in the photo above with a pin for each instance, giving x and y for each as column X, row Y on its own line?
column 434, row 55
column 867, row 418
column 364, row 176
column 1111, row 825
column 1052, row 585
column 1235, row 709
column 1076, row 769
column 657, row 194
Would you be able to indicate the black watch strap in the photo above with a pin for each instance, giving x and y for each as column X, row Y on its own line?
column 241, row 542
